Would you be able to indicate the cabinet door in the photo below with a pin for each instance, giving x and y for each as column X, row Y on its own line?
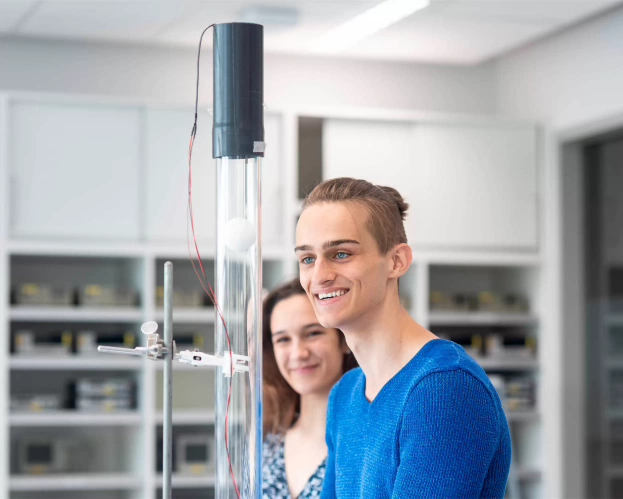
column 468, row 186
column 474, row 186
column 168, row 138
column 75, row 171
column 380, row 152
column 168, row 135
column 273, row 187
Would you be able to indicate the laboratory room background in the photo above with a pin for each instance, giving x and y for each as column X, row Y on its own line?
column 148, row 206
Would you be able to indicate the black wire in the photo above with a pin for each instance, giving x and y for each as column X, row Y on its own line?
column 194, row 130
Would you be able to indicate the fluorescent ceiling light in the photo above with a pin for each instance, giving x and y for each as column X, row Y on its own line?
column 366, row 24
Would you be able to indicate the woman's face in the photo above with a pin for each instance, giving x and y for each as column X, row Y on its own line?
column 308, row 355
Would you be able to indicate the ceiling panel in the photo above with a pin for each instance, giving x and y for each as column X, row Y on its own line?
column 450, row 41
column 313, row 18
column 523, row 11
column 447, row 31
column 12, row 12
column 108, row 20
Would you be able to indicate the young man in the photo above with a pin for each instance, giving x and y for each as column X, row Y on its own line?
column 420, row 418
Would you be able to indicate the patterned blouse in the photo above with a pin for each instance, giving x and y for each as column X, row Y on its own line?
column 274, row 482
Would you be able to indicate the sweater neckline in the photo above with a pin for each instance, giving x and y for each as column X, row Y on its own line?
column 399, row 374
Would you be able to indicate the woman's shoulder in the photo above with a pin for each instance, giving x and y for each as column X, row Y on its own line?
column 273, row 443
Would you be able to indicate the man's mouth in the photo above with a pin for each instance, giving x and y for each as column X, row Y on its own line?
column 332, row 295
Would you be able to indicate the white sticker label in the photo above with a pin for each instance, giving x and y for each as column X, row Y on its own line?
column 259, row 146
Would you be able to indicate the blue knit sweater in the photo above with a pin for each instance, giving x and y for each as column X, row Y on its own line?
column 436, row 429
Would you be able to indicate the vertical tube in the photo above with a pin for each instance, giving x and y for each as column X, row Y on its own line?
column 167, row 423
column 238, row 291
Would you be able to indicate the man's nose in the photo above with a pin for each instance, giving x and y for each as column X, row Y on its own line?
column 323, row 271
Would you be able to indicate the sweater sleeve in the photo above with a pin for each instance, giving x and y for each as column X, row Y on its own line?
column 328, row 486
column 448, row 435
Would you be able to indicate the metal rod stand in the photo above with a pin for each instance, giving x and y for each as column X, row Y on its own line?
column 167, row 422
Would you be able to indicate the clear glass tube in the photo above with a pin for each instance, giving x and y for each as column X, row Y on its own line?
column 238, row 291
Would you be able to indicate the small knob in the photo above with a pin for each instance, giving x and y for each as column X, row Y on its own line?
column 149, row 327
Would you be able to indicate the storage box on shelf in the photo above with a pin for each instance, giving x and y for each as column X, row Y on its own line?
column 193, row 455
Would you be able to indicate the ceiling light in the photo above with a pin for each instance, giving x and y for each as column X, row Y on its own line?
column 366, row 24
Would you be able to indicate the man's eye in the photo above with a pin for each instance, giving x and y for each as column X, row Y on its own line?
column 308, row 260
column 341, row 255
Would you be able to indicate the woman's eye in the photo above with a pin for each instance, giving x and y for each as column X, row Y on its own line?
column 316, row 333
column 308, row 260
column 341, row 255
column 282, row 340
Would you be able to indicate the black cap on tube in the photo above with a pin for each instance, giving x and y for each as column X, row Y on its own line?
column 238, row 91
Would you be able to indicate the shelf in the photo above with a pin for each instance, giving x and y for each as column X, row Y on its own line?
column 75, row 481
column 615, row 413
column 614, row 363
column 73, row 418
column 181, row 417
column 180, row 251
column 47, row 248
column 102, row 362
column 522, row 416
column 178, row 366
column 614, row 319
column 481, row 319
column 189, row 315
column 507, row 364
column 477, row 258
column 614, row 471
column 188, row 481
column 529, row 474
column 74, row 314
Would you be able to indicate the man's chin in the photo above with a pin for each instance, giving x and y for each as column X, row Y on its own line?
column 329, row 320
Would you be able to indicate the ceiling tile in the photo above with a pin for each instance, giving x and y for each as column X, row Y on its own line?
column 107, row 20
column 12, row 12
column 446, row 32
column 314, row 19
column 522, row 11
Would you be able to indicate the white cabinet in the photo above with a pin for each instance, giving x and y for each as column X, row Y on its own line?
column 74, row 171
column 166, row 180
column 469, row 186
column 273, row 184
column 380, row 152
column 168, row 136
column 474, row 186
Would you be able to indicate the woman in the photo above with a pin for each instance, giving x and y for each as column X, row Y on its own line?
column 302, row 362
column 420, row 418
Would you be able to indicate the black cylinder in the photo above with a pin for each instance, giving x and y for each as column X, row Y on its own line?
column 238, row 130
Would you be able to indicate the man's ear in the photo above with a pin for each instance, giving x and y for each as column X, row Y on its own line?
column 402, row 256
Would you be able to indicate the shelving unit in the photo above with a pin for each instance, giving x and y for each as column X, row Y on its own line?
column 161, row 171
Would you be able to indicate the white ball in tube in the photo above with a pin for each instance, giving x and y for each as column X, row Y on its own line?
column 239, row 234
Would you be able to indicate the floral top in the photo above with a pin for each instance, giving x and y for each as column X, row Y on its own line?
column 274, row 482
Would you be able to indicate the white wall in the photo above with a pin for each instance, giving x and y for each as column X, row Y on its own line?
column 568, row 79
column 168, row 74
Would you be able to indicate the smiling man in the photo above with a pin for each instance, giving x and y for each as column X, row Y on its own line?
column 420, row 417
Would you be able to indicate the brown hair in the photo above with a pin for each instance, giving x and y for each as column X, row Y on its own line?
column 386, row 207
column 281, row 402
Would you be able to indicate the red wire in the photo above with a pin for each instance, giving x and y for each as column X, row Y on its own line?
column 212, row 295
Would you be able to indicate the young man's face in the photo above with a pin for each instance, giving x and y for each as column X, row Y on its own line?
column 341, row 268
